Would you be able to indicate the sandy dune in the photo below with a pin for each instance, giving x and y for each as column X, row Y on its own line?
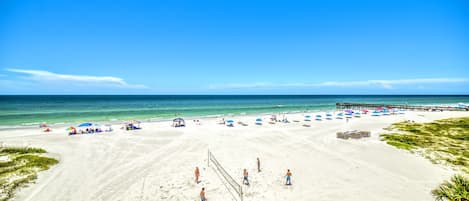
column 157, row 162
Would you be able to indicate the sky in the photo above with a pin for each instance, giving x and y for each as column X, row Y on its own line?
column 234, row 47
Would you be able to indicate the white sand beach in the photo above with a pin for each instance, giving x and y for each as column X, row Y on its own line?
column 157, row 162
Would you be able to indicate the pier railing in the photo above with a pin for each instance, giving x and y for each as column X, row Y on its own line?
column 360, row 106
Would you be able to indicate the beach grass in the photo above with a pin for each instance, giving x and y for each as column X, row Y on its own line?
column 442, row 141
column 456, row 189
column 19, row 166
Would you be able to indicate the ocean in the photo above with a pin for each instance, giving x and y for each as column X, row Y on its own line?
column 18, row 110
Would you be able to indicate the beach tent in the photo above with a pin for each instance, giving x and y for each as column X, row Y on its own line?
column 285, row 119
column 108, row 128
column 307, row 117
column 258, row 121
column 179, row 122
column 340, row 115
column 365, row 111
column 318, row 117
column 230, row 123
column 328, row 116
column 402, row 111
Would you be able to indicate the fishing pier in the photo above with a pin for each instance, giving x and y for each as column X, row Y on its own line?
column 372, row 106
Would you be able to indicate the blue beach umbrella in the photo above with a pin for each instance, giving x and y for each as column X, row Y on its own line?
column 87, row 124
column 340, row 115
column 229, row 121
column 258, row 121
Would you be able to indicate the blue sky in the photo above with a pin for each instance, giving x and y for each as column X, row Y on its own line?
column 234, row 47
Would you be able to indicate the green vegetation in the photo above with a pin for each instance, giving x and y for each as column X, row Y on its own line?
column 444, row 141
column 19, row 166
column 456, row 189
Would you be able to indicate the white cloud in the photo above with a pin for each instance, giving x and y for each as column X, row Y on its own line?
column 386, row 84
column 41, row 75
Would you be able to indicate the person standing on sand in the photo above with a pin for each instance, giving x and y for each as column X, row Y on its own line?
column 258, row 165
column 197, row 174
column 202, row 195
column 288, row 176
column 245, row 178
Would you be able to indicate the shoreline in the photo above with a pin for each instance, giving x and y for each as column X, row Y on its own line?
column 163, row 119
column 157, row 120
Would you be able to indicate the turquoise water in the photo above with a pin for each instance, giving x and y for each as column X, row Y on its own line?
column 31, row 110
